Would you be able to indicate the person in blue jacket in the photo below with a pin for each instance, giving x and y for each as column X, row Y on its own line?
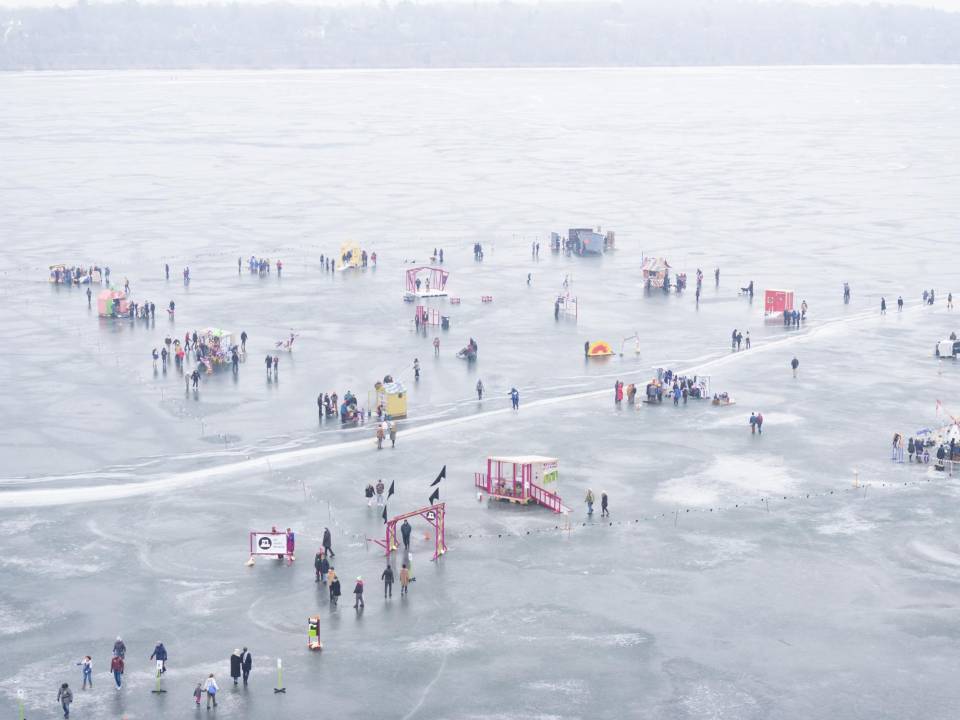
column 160, row 655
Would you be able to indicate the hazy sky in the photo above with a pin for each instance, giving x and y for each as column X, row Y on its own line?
column 942, row 4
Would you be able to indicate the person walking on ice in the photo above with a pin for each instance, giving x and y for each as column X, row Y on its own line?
column 515, row 398
column 334, row 588
column 883, row 306
column 387, row 577
column 116, row 667
column 246, row 664
column 604, row 510
column 479, row 390
column 405, row 531
column 404, row 579
column 327, row 543
column 236, row 665
column 323, row 569
column 65, row 697
column 393, row 433
column 358, row 594
column 212, row 689
column 379, row 490
column 86, row 667
column 160, row 655
column 794, row 364
column 589, row 501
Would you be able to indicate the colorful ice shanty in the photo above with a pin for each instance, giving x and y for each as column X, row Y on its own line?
column 391, row 398
column 777, row 301
column 216, row 347
column 425, row 282
column 597, row 349
column 351, row 256
column 656, row 272
column 523, row 480
column 113, row 303
column 587, row 241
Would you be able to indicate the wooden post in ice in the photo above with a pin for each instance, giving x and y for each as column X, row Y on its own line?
column 158, row 690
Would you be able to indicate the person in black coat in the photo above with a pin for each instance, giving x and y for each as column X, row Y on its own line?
column 324, row 569
column 327, row 543
column 335, row 590
column 246, row 664
column 236, row 663
column 387, row 577
column 405, row 530
column 318, row 565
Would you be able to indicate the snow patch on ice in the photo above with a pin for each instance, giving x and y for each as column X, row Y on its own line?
column 717, row 550
column 200, row 599
column 845, row 522
column 611, row 639
column 437, row 644
column 935, row 553
column 14, row 622
column 565, row 687
column 21, row 525
column 727, row 479
column 51, row 566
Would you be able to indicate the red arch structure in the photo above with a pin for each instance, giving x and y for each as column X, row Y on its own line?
column 433, row 514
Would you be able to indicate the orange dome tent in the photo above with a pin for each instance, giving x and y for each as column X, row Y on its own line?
column 599, row 349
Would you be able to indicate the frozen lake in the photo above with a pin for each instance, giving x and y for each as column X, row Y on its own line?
column 737, row 577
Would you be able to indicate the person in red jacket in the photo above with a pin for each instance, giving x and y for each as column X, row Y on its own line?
column 116, row 667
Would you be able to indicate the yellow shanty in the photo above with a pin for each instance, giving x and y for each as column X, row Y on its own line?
column 392, row 397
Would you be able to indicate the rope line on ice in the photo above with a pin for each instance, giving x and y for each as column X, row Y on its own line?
column 762, row 504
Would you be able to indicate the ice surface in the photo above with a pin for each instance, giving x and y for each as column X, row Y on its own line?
column 738, row 576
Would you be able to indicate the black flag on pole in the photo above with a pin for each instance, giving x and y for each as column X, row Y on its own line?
column 390, row 491
column 441, row 476
column 434, row 496
column 384, row 514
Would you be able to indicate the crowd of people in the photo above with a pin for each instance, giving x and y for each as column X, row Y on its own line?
column 208, row 350
column 240, row 662
column 77, row 274
column 259, row 266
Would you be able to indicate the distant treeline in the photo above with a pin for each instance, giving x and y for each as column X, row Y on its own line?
column 631, row 33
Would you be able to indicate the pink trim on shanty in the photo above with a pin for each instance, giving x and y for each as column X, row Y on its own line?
column 524, row 491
